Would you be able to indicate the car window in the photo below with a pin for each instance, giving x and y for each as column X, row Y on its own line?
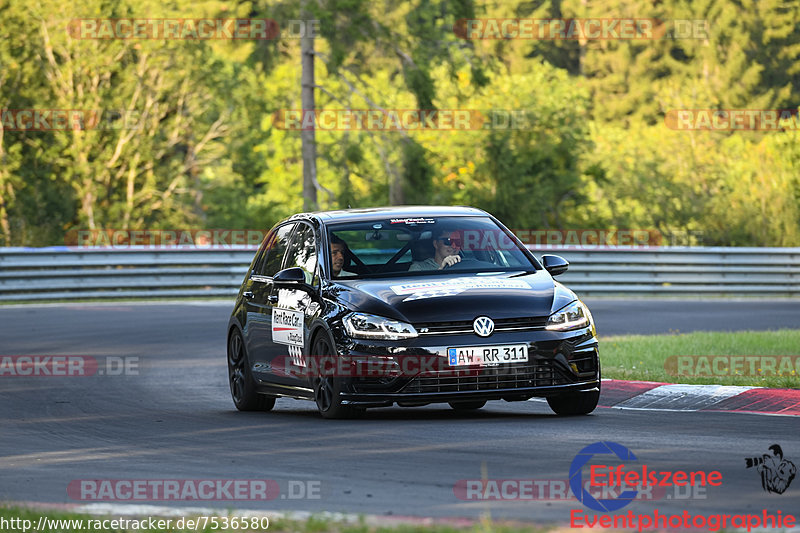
column 277, row 251
column 258, row 264
column 373, row 252
column 406, row 246
column 303, row 252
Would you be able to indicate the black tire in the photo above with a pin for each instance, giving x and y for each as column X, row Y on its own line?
column 574, row 403
column 243, row 388
column 468, row 406
column 326, row 387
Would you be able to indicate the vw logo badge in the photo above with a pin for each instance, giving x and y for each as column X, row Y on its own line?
column 483, row 326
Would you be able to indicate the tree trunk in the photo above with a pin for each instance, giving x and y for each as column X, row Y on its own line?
column 396, row 193
column 308, row 137
column 5, row 229
column 582, row 43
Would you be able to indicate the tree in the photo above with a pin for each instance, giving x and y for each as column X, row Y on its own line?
column 307, row 86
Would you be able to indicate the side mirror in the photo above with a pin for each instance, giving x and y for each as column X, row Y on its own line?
column 290, row 276
column 555, row 264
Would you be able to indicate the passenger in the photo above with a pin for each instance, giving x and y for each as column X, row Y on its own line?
column 446, row 253
column 338, row 250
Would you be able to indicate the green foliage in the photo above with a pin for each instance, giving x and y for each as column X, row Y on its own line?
column 417, row 172
column 589, row 147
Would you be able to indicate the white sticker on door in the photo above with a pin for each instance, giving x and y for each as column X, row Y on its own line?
column 287, row 327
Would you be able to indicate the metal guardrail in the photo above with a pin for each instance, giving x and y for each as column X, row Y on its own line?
column 31, row 274
column 176, row 272
column 679, row 270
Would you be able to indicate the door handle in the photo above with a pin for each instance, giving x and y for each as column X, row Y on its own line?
column 273, row 298
column 248, row 295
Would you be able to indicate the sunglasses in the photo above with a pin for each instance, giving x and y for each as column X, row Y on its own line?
column 450, row 241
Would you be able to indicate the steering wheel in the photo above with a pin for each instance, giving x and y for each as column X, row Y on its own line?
column 469, row 263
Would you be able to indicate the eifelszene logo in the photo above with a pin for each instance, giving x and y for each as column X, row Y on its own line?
column 576, row 476
column 616, row 479
column 776, row 472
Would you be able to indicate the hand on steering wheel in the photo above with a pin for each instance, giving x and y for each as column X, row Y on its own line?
column 450, row 260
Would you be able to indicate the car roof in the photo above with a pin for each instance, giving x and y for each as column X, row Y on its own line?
column 379, row 213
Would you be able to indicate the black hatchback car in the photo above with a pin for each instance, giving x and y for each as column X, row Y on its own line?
column 409, row 305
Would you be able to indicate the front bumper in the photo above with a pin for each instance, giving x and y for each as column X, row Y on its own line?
column 511, row 395
column 558, row 362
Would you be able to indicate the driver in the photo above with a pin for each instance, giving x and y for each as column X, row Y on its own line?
column 446, row 247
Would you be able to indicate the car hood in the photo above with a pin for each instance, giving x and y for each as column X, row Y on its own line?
column 440, row 298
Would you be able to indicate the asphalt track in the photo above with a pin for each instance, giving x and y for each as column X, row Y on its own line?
column 173, row 419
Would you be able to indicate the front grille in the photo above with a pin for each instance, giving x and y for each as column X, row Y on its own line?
column 465, row 326
column 537, row 373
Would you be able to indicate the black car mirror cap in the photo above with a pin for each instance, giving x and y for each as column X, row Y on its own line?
column 555, row 264
column 290, row 276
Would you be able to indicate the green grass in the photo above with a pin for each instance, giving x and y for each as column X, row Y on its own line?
column 643, row 357
column 314, row 524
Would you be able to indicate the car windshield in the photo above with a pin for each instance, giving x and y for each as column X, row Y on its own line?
column 424, row 245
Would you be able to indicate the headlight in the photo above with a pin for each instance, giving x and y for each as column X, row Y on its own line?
column 571, row 316
column 363, row 326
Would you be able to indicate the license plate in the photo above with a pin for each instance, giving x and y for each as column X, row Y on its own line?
column 487, row 355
